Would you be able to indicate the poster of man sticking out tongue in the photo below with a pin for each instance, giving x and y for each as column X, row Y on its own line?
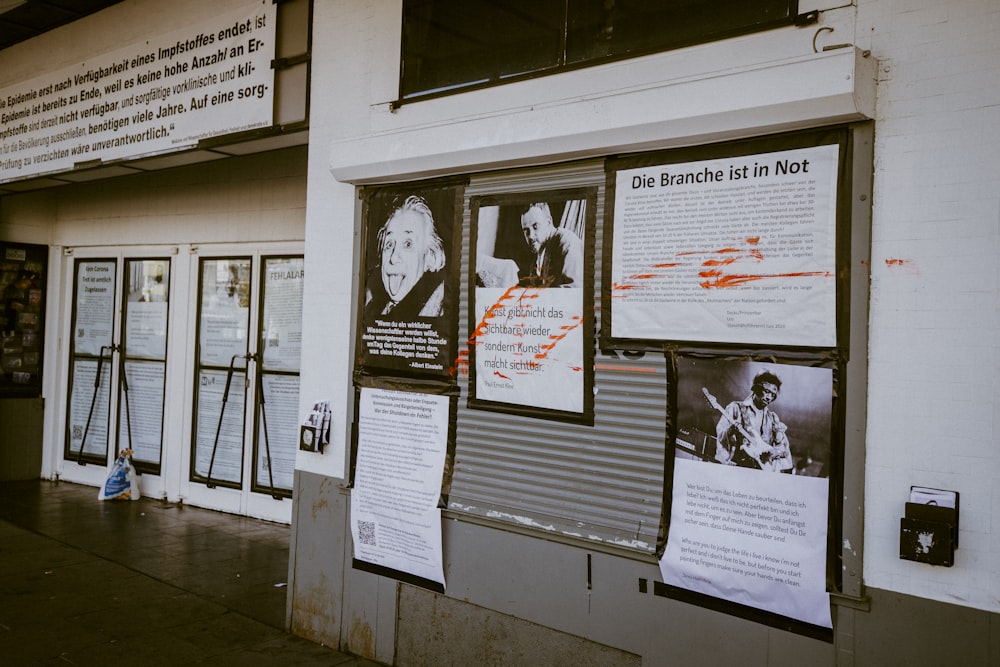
column 409, row 320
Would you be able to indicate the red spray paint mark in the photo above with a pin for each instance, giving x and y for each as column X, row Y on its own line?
column 462, row 362
column 500, row 375
column 723, row 281
column 557, row 338
column 896, row 262
column 719, row 262
column 723, row 251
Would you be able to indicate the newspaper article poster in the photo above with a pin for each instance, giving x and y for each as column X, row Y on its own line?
column 748, row 520
column 531, row 330
column 395, row 514
column 409, row 323
column 732, row 250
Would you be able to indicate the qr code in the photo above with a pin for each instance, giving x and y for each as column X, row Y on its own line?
column 366, row 532
column 77, row 432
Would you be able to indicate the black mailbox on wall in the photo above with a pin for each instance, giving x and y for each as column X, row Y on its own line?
column 928, row 533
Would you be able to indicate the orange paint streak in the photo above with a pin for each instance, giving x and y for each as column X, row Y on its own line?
column 557, row 339
column 753, row 240
column 501, row 375
column 723, row 251
column 896, row 262
column 666, row 266
column 719, row 262
column 461, row 364
column 736, row 280
column 627, row 369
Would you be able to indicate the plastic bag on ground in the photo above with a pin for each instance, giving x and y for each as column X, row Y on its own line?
column 121, row 483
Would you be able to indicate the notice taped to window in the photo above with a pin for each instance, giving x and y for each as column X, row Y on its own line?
column 735, row 250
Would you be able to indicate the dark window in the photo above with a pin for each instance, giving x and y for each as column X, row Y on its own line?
column 459, row 44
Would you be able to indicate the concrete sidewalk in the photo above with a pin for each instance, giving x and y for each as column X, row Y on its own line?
column 84, row 582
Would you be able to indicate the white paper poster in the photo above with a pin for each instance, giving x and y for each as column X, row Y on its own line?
column 750, row 537
column 402, row 444
column 281, row 406
column 733, row 250
column 142, row 410
column 153, row 96
column 281, row 322
column 95, row 306
column 225, row 311
column 219, row 448
column 146, row 308
column 529, row 347
column 88, row 410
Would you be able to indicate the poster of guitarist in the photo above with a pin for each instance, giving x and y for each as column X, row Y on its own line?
column 749, row 432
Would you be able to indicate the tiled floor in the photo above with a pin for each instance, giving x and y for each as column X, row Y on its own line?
column 84, row 582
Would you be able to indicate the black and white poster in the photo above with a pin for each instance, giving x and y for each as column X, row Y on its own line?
column 531, row 342
column 736, row 249
column 409, row 321
column 395, row 513
column 750, row 490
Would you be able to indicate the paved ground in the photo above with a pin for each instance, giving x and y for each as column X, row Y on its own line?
column 142, row 583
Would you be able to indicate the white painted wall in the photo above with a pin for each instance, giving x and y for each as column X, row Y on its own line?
column 934, row 396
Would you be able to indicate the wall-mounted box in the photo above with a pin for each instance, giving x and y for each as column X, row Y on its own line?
column 928, row 533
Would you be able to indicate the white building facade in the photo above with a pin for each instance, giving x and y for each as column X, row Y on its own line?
column 540, row 561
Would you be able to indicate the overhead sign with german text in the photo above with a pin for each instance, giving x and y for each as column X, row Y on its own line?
column 155, row 96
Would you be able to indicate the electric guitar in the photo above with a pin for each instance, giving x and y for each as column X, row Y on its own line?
column 752, row 445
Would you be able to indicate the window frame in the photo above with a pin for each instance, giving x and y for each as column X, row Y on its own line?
column 791, row 17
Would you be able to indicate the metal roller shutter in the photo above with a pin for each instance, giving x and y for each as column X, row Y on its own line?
column 600, row 483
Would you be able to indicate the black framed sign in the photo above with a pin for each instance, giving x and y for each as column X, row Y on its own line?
column 748, row 502
column 409, row 322
column 739, row 243
column 531, row 317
